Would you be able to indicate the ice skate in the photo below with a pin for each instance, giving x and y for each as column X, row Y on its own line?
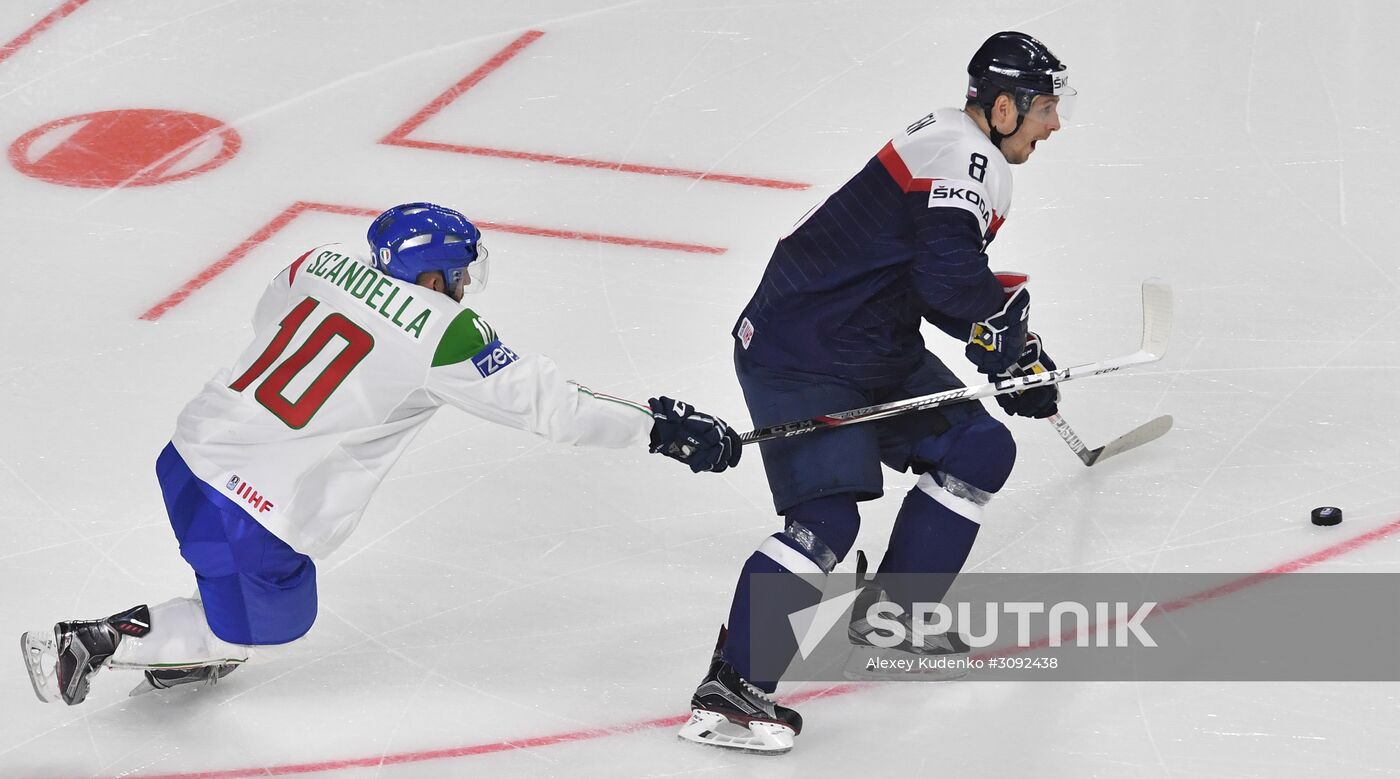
column 940, row 658
column 727, row 711
column 62, row 664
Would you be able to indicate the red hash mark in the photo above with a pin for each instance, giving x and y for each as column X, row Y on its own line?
column 300, row 207
column 399, row 135
column 39, row 27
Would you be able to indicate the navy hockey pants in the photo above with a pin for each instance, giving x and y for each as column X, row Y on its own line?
column 847, row 459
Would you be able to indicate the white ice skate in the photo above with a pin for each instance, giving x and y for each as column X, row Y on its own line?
column 758, row 736
column 727, row 711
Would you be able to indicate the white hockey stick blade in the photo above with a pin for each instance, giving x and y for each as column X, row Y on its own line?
column 1157, row 313
column 1132, row 439
column 1136, row 437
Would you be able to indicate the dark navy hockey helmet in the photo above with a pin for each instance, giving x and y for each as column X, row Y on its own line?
column 1016, row 63
column 415, row 238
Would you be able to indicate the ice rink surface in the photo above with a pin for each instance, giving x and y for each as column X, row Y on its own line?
column 515, row 608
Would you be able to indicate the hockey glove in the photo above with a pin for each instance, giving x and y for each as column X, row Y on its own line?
column 1036, row 402
column 995, row 343
column 703, row 442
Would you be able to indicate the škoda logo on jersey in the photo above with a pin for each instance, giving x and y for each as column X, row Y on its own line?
column 245, row 491
column 965, row 194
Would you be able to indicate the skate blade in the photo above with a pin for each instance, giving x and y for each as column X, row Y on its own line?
column 143, row 687
column 714, row 729
column 41, row 660
column 869, row 663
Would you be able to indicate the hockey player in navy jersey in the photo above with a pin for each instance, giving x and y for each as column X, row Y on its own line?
column 272, row 464
column 835, row 324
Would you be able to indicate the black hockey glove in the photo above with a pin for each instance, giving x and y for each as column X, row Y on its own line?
column 703, row 442
column 995, row 343
column 1036, row 402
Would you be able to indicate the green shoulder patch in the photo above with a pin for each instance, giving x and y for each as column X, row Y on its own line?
column 466, row 335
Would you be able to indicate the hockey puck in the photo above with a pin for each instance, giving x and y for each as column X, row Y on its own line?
column 1327, row 515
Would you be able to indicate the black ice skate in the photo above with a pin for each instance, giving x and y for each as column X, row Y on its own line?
column 62, row 665
column 937, row 659
column 165, row 678
column 727, row 711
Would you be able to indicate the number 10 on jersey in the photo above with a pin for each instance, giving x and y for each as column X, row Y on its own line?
column 357, row 343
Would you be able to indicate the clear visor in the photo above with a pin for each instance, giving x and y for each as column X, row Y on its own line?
column 1048, row 109
column 1055, row 106
column 1064, row 94
column 470, row 278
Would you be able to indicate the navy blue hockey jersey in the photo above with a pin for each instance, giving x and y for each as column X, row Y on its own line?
column 844, row 294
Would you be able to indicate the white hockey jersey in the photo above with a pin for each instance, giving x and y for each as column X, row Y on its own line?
column 346, row 366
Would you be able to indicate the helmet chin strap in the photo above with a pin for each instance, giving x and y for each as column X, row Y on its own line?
column 996, row 135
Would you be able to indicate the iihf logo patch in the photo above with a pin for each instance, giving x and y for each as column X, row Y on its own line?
column 248, row 493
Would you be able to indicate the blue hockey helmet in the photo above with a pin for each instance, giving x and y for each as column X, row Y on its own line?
column 415, row 238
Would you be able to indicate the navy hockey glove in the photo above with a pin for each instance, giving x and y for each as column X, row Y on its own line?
column 995, row 343
column 703, row 442
column 1036, row 402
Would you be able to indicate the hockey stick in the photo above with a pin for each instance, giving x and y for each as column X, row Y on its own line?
column 1144, row 433
column 1156, row 331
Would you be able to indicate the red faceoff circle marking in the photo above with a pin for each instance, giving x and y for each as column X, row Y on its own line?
column 132, row 147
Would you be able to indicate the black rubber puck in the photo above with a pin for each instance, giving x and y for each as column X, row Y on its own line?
column 1327, row 515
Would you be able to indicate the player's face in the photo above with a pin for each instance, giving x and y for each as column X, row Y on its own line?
column 456, row 282
column 450, row 284
column 1041, row 120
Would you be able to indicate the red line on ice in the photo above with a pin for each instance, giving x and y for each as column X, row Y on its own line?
column 475, row 749
column 39, row 27
column 583, row 162
column 455, row 91
column 1291, row 566
column 399, row 135
column 300, row 207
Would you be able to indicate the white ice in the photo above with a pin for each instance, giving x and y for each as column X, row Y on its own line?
column 502, row 589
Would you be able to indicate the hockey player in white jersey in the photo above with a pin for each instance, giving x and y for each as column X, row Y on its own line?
column 272, row 464
column 835, row 324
